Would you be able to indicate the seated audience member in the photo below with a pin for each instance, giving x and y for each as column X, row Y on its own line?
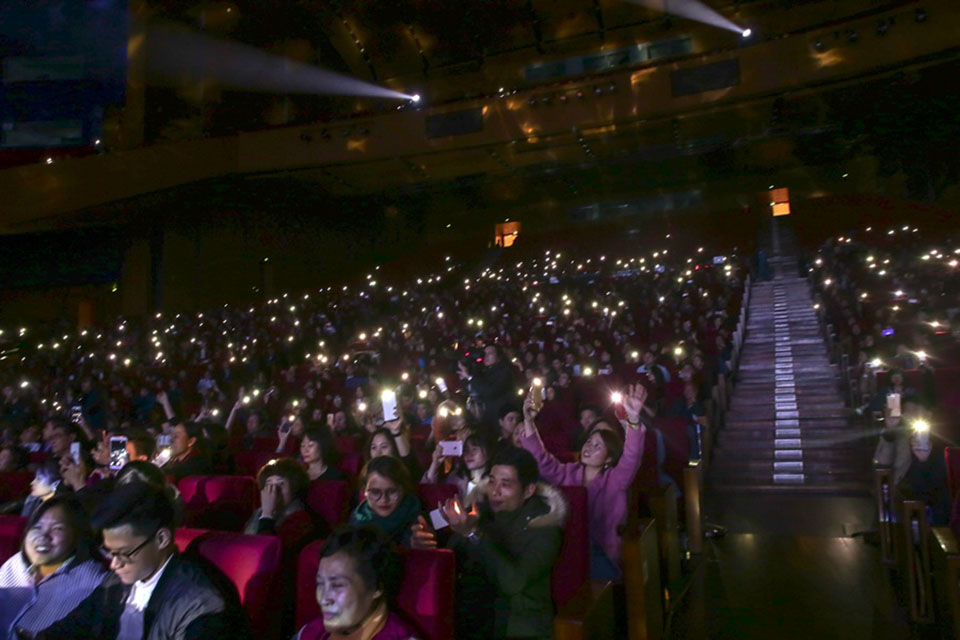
column 59, row 435
column 13, row 458
column 187, row 455
column 467, row 471
column 45, row 586
column 357, row 581
column 289, row 434
column 141, row 446
column 692, row 410
column 511, row 539
column 389, row 503
column 894, row 447
column 46, row 484
column 160, row 593
column 508, row 419
column 383, row 442
column 318, row 454
column 607, row 467
column 926, row 478
column 283, row 511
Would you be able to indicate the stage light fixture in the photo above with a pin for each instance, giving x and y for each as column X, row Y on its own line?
column 415, row 98
column 819, row 46
column 746, row 33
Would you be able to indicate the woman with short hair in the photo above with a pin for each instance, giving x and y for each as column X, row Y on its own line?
column 357, row 581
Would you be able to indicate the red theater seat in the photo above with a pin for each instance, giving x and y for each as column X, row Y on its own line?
column 249, row 463
column 11, row 533
column 572, row 568
column 425, row 598
column 330, row 500
column 224, row 503
column 674, row 430
column 265, row 444
column 252, row 563
column 184, row 537
column 14, row 485
column 346, row 444
column 351, row 464
column 952, row 455
column 431, row 494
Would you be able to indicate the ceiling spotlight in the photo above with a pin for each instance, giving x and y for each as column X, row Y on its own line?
column 819, row 46
column 415, row 98
column 746, row 33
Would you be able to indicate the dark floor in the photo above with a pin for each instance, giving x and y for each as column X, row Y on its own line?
column 788, row 569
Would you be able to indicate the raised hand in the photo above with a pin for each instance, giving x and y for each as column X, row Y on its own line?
column 462, row 521
column 423, row 537
column 633, row 401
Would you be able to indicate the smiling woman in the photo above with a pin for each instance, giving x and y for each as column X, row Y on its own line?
column 357, row 580
column 53, row 579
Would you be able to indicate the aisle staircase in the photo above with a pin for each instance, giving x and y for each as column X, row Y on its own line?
column 787, row 428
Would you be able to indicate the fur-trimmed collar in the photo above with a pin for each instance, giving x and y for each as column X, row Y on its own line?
column 553, row 497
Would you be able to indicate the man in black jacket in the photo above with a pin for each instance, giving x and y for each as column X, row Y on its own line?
column 157, row 593
column 493, row 385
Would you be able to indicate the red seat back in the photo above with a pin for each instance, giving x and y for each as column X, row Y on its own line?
column 425, row 598
column 952, row 455
column 11, row 533
column 265, row 444
column 330, row 500
column 346, row 444
column 14, row 485
column 183, row 537
column 252, row 563
column 224, row 503
column 572, row 567
column 677, row 444
column 249, row 463
column 351, row 464
column 431, row 494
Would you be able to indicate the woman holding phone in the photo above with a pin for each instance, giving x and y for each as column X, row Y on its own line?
column 605, row 469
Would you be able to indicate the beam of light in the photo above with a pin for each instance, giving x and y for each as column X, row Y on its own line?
column 694, row 10
column 179, row 56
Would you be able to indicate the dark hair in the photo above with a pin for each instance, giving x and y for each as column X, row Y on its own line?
column 77, row 518
column 392, row 469
column 384, row 432
column 521, row 460
column 143, row 443
column 142, row 471
column 50, row 469
column 142, row 506
column 591, row 407
column 194, row 430
column 508, row 407
column 322, row 435
column 374, row 557
column 20, row 457
column 611, row 440
column 289, row 469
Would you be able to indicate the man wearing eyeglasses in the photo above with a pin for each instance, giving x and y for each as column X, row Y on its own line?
column 162, row 595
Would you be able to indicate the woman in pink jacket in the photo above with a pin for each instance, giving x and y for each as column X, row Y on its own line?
column 605, row 473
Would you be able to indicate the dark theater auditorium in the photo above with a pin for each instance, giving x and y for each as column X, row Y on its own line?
column 479, row 319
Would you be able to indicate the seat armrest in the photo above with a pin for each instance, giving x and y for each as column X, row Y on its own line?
column 588, row 614
column 945, row 564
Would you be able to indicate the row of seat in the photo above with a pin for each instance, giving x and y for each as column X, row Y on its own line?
column 253, row 563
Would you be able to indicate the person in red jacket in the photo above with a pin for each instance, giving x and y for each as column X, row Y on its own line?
column 357, row 580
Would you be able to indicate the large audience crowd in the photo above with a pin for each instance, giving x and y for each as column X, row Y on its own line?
column 504, row 383
column 891, row 297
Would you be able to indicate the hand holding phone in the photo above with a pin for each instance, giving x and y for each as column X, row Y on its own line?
column 389, row 400
column 453, row 448
column 118, row 452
